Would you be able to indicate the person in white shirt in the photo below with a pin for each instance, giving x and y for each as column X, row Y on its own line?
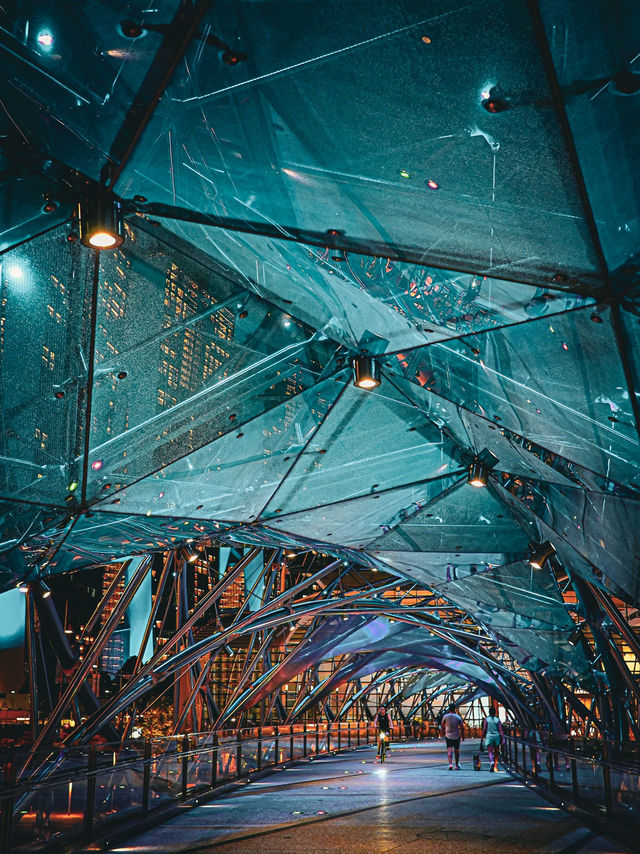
column 492, row 737
column 452, row 728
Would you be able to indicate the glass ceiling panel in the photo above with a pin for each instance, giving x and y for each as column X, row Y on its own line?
column 71, row 74
column 371, row 441
column 373, row 304
column 356, row 522
column 605, row 529
column 464, row 518
column 229, row 136
column 184, row 356
column 44, row 341
column 430, row 568
column 557, row 381
column 234, row 477
column 595, row 53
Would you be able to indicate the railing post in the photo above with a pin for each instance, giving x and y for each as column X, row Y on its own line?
column 606, row 779
column 214, row 760
column 146, row 777
column 185, row 766
column 328, row 738
column 339, row 734
column 317, row 738
column 358, row 733
column 276, row 745
column 515, row 752
column 550, row 759
column 291, row 743
column 304, row 740
column 524, row 759
column 349, row 734
column 574, row 777
column 90, row 797
column 239, row 753
column 259, row 754
column 6, row 801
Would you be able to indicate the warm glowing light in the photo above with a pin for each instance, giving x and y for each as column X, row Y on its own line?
column 366, row 372
column 103, row 240
column 477, row 475
column 96, row 465
column 433, row 185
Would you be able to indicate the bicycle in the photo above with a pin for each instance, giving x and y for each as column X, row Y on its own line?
column 383, row 744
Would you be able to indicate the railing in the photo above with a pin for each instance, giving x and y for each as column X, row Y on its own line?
column 82, row 792
column 607, row 788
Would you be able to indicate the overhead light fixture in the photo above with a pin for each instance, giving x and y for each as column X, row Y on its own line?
column 23, row 587
column 46, row 592
column 366, row 372
column 100, row 221
column 192, row 557
column 541, row 553
column 228, row 650
column 477, row 474
column 575, row 636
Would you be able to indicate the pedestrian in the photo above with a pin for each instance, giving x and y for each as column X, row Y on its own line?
column 452, row 728
column 492, row 734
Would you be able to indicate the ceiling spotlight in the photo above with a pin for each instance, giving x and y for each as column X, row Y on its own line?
column 23, row 587
column 44, row 38
column 477, row 474
column 366, row 372
column 575, row 636
column 492, row 103
column 131, row 29
column 192, row 557
column 100, row 221
column 541, row 553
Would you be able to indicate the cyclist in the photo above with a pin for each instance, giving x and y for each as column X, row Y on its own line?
column 383, row 725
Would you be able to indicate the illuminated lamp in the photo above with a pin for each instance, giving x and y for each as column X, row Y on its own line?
column 366, row 373
column 192, row 557
column 541, row 553
column 100, row 222
column 477, row 474
column 46, row 592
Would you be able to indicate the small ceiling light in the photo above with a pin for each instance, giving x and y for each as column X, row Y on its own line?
column 96, row 465
column 541, row 553
column 46, row 592
column 192, row 558
column 100, row 221
column 431, row 184
column 492, row 104
column 44, row 38
column 477, row 474
column 575, row 636
column 366, row 372
column 73, row 486
column 23, row 587
column 404, row 173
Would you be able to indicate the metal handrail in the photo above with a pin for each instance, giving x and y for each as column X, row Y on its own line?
column 312, row 740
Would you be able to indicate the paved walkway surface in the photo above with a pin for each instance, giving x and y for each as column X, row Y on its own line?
column 349, row 804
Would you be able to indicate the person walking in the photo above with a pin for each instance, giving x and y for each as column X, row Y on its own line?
column 452, row 728
column 492, row 736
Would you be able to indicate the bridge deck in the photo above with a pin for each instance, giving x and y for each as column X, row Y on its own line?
column 347, row 804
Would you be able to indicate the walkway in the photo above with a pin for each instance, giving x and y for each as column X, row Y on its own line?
column 348, row 804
